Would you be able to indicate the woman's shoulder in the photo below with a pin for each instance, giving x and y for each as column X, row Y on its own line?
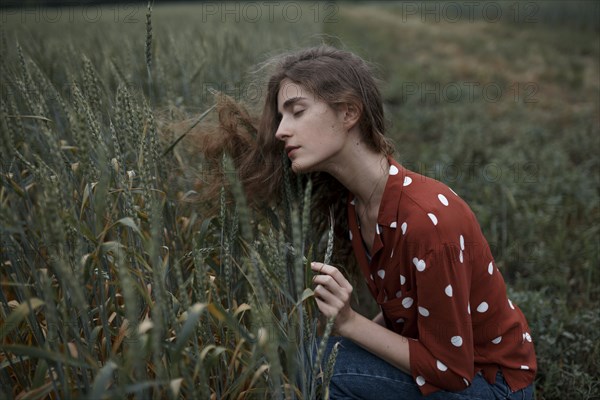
column 431, row 207
column 428, row 193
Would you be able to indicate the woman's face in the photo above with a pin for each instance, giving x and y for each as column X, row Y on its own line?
column 313, row 131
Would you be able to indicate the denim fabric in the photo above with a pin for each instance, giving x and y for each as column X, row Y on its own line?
column 359, row 374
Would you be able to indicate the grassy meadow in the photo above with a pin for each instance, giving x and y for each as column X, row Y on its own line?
column 117, row 282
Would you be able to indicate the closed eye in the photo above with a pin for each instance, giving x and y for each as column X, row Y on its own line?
column 298, row 113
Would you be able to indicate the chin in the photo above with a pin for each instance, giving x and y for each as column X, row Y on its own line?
column 299, row 168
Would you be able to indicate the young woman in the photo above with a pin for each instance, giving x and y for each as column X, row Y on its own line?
column 446, row 327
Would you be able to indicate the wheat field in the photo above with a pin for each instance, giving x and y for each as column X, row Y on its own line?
column 119, row 281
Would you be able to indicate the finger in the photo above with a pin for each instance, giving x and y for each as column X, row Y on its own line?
column 328, row 283
column 324, row 294
column 331, row 299
column 316, row 266
column 321, row 268
column 333, row 272
column 326, row 309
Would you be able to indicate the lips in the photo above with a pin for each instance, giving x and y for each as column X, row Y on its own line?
column 290, row 150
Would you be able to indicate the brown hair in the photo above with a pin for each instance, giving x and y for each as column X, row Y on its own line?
column 334, row 76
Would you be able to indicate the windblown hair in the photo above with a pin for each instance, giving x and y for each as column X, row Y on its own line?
column 333, row 76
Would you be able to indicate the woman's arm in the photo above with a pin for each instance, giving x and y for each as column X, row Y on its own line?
column 378, row 319
column 332, row 294
column 384, row 343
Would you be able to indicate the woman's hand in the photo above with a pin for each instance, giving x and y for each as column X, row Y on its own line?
column 332, row 293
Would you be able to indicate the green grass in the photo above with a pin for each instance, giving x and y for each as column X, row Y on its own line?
column 115, row 285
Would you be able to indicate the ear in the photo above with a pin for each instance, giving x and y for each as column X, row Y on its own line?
column 350, row 114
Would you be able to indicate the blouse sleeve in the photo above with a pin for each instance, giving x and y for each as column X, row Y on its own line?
column 442, row 356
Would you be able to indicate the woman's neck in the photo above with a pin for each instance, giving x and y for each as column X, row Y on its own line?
column 363, row 172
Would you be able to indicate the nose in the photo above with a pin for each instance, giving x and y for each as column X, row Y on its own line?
column 282, row 132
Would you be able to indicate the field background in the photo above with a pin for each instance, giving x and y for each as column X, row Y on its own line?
column 115, row 283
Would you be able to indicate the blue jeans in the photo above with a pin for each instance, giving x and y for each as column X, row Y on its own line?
column 359, row 374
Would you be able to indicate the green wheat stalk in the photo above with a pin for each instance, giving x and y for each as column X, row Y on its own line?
column 328, row 373
column 149, row 49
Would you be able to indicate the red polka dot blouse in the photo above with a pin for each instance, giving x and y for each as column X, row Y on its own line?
column 433, row 275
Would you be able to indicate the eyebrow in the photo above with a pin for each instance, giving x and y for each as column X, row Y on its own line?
column 290, row 102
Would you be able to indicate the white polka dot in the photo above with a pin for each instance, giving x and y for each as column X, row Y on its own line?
column 407, row 181
column 420, row 264
column 441, row 366
column 381, row 273
column 443, row 199
column 377, row 229
column 420, row 380
column 490, row 268
column 402, row 279
column 462, row 242
column 466, row 382
column 497, row 340
column 371, row 276
column 403, row 227
column 393, row 225
column 393, row 170
column 350, row 234
column 511, row 304
column 400, row 321
column 457, row 341
column 483, row 307
column 353, row 202
column 524, row 367
column 423, row 311
column 407, row 302
column 528, row 337
column 433, row 218
column 460, row 256
column 469, row 308
column 392, row 254
column 448, row 290
column 399, row 294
